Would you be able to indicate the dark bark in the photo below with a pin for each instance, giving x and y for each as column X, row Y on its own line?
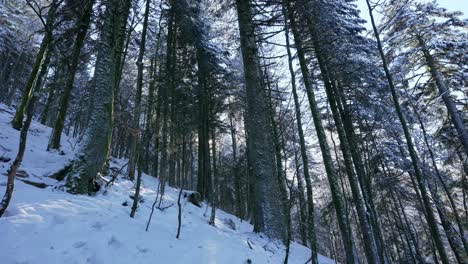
column 214, row 186
column 445, row 94
column 325, row 149
column 95, row 148
column 21, row 150
column 135, row 133
column 305, row 160
column 267, row 216
column 413, row 155
column 17, row 121
column 83, row 25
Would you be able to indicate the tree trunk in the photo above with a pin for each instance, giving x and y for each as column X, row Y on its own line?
column 137, row 111
column 95, row 147
column 305, row 160
column 204, row 167
column 409, row 141
column 19, row 156
column 214, row 186
column 17, row 121
column 346, row 234
column 235, row 167
column 268, row 217
column 165, row 95
column 83, row 25
column 444, row 92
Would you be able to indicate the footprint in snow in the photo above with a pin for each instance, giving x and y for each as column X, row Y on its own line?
column 58, row 220
column 97, row 226
column 79, row 244
column 114, row 242
column 142, row 250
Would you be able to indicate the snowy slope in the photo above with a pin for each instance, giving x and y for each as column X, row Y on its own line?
column 52, row 226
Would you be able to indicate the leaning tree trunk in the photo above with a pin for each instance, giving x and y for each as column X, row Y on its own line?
column 269, row 217
column 346, row 234
column 370, row 243
column 19, row 157
column 17, row 121
column 362, row 177
column 431, row 220
column 445, row 93
column 95, row 147
column 305, row 160
column 83, row 25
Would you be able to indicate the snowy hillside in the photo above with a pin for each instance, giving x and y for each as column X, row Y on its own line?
column 46, row 225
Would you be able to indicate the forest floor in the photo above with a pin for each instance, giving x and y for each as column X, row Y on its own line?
column 48, row 225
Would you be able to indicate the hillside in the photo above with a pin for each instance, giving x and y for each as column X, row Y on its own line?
column 47, row 225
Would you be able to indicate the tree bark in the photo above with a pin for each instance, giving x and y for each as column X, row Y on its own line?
column 413, row 155
column 137, row 111
column 267, row 216
column 346, row 234
column 95, row 147
column 444, row 92
column 83, row 25
column 17, row 121
column 305, row 160
column 21, row 150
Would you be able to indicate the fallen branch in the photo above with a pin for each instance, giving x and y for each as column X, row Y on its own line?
column 115, row 174
column 165, row 207
column 40, row 185
column 250, row 245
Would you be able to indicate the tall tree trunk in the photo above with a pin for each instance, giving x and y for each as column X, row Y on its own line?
column 367, row 231
column 137, row 111
column 235, row 167
column 268, row 217
column 95, row 147
column 83, row 25
column 362, row 178
column 17, row 121
column 303, row 224
column 305, row 160
column 280, row 173
column 165, row 95
column 51, row 93
column 204, row 167
column 346, row 233
column 214, row 186
column 409, row 141
column 451, row 235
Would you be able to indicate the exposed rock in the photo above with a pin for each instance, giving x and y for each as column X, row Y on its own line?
column 193, row 197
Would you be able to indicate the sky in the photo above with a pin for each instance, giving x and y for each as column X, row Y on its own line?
column 451, row 5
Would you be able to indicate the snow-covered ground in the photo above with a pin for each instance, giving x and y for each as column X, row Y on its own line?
column 52, row 226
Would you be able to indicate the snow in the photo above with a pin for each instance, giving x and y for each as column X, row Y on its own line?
column 52, row 226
